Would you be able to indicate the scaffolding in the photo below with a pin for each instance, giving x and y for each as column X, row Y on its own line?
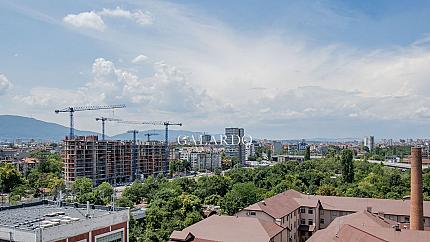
column 110, row 160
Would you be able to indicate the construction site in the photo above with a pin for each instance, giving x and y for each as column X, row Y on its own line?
column 110, row 160
column 113, row 161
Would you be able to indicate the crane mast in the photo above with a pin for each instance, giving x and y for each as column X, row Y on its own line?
column 104, row 119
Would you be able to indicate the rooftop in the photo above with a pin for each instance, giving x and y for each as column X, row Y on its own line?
column 228, row 229
column 284, row 203
column 45, row 214
column 364, row 226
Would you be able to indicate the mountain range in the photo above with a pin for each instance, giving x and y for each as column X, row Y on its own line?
column 18, row 127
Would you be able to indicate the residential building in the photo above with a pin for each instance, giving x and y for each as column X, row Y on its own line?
column 231, row 229
column 249, row 150
column 303, row 215
column 110, row 160
column 277, row 148
column 235, row 147
column 61, row 222
column 202, row 158
column 369, row 142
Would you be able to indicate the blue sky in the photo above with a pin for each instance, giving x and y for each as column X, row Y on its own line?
column 280, row 69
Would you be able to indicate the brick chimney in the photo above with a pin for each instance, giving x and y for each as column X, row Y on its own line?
column 417, row 217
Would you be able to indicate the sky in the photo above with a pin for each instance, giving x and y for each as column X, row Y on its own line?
column 279, row 69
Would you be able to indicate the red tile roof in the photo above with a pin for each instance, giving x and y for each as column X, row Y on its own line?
column 364, row 226
column 230, row 229
column 284, row 203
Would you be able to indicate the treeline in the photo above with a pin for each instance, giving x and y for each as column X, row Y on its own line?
column 174, row 205
column 44, row 179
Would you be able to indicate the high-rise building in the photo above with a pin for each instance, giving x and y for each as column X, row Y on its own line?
column 277, row 148
column 369, row 142
column 235, row 147
column 109, row 160
column 249, row 150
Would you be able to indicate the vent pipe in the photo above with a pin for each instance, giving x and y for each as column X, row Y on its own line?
column 416, row 209
column 88, row 209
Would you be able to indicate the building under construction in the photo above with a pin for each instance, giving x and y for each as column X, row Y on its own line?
column 110, row 160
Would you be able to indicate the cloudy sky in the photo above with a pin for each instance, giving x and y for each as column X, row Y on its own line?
column 280, row 69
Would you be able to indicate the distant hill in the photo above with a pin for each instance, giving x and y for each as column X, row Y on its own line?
column 13, row 127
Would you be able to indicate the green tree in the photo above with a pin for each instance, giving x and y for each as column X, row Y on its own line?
column 347, row 164
column 82, row 187
column 103, row 193
column 9, row 177
column 241, row 196
column 327, row 190
column 213, row 199
column 307, row 153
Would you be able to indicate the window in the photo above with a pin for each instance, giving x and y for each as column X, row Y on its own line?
column 252, row 213
column 407, row 219
column 287, row 217
column 322, row 221
column 302, row 221
column 334, row 214
column 113, row 237
column 310, row 211
column 310, row 222
column 302, row 210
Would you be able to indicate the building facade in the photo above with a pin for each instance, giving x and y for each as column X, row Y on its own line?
column 369, row 142
column 109, row 160
column 302, row 215
column 235, row 148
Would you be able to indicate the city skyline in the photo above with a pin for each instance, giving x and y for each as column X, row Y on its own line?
column 291, row 69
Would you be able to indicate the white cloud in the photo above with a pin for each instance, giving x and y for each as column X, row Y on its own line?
column 139, row 58
column 167, row 90
column 5, row 84
column 140, row 17
column 94, row 20
column 218, row 76
column 89, row 20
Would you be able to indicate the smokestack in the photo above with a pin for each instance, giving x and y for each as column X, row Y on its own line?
column 417, row 217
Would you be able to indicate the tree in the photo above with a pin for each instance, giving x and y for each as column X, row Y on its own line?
column 241, row 196
column 9, row 177
column 211, row 185
column 82, row 188
column 307, row 153
column 347, row 164
column 103, row 193
column 327, row 190
column 213, row 199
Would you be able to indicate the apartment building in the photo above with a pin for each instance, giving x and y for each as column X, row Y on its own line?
column 235, row 147
column 302, row 215
column 107, row 160
column 201, row 158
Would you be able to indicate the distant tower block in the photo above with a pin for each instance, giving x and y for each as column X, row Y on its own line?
column 417, row 217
